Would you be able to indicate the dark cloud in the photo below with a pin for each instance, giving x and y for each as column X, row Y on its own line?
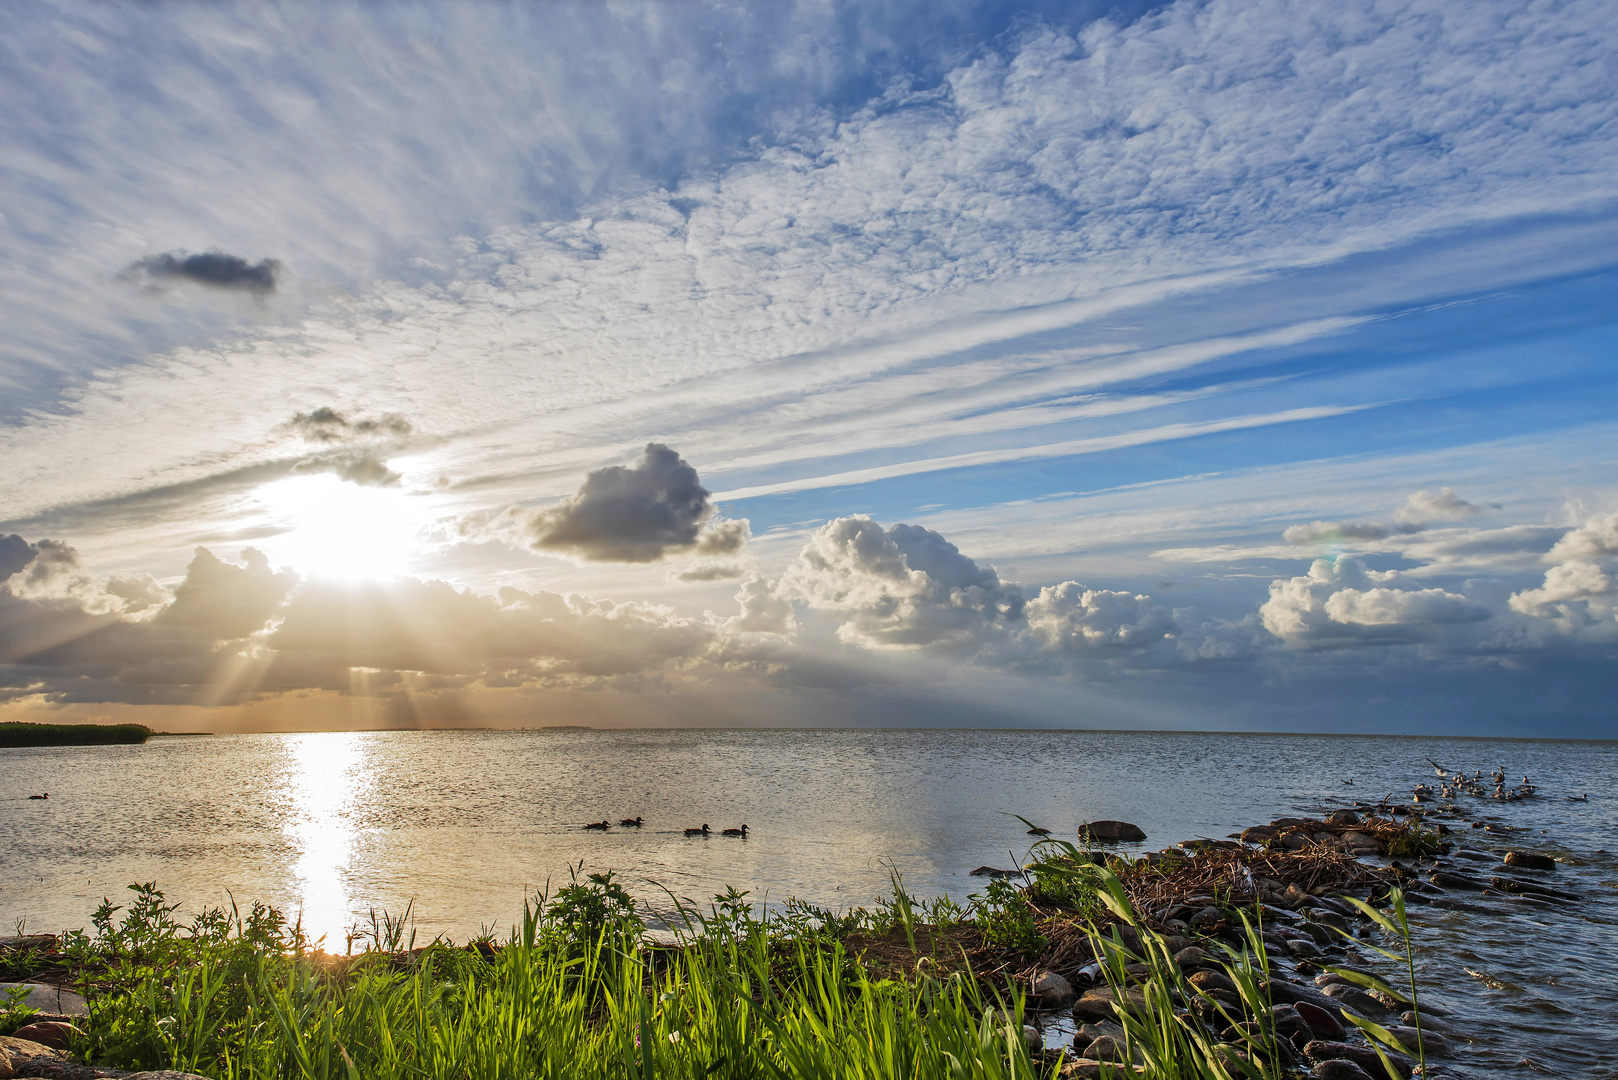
column 326, row 424
column 358, row 466
column 637, row 513
column 212, row 268
column 15, row 553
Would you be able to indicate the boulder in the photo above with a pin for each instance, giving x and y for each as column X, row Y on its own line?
column 1289, row 1022
column 1355, row 998
column 17, row 1049
column 1358, row 842
column 1322, row 1022
column 1432, row 1042
column 1340, row 1069
column 1212, row 980
column 1192, row 957
column 1342, row 817
column 56, row 1034
column 1112, row 1048
column 1528, row 860
column 1111, row 832
column 1089, row 1033
column 48, row 999
column 1363, row 1056
column 1210, row 920
column 1098, row 1004
column 1052, row 990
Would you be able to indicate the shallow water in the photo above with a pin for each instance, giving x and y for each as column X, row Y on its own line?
column 464, row 825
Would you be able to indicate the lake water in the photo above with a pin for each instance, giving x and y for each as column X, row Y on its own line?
column 464, row 825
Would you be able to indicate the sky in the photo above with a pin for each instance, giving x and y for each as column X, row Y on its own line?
column 1204, row 365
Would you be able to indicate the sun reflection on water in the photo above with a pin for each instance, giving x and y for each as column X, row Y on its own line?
column 327, row 776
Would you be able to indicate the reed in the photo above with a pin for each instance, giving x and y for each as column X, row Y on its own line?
column 14, row 733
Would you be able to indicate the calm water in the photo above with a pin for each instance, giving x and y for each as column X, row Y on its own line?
column 464, row 825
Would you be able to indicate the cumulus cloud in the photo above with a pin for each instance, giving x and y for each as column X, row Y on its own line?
column 1341, row 602
column 1579, row 591
column 326, row 424
column 904, row 587
column 636, row 513
column 365, row 466
column 1335, row 532
column 214, row 269
column 1071, row 618
column 716, row 570
column 1424, row 508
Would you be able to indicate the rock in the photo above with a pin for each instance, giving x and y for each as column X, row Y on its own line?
column 1429, row 1022
column 1032, row 1039
column 22, row 1049
column 1342, row 817
column 1052, row 990
column 1111, row 1048
column 1304, row 949
column 1530, row 861
column 1455, row 881
column 1289, row 993
column 56, row 1034
column 1288, row 1022
column 1289, row 822
column 1257, row 834
column 1322, row 1022
column 1111, row 832
column 989, row 871
column 1363, row 1056
column 1089, row 1033
column 1098, row 1004
column 1431, row 1041
column 1212, row 980
column 1090, row 1069
column 1192, row 957
column 1474, row 856
column 1210, row 920
column 1339, row 1069
column 49, row 999
column 1355, row 998
column 1531, row 888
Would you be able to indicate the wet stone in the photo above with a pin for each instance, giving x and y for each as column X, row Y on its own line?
column 1338, row 1069
column 1528, row 860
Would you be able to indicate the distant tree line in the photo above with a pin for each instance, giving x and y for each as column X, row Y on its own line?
column 16, row 733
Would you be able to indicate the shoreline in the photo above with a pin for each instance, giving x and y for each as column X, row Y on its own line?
column 1297, row 877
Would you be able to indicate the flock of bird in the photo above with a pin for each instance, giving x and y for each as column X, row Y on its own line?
column 637, row 822
column 1454, row 782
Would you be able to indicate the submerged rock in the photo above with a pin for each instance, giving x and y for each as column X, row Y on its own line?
column 1111, row 832
column 1528, row 860
column 1339, row 1069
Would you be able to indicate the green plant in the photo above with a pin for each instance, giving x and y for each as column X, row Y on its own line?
column 1397, row 925
column 1006, row 920
column 13, row 1013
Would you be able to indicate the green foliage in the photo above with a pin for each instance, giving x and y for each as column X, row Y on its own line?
column 13, row 1013
column 576, row 991
column 1006, row 920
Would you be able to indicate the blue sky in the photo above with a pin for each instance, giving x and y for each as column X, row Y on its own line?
column 1237, row 365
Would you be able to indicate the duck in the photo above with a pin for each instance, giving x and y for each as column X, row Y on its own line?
column 741, row 832
column 704, row 831
column 1037, row 831
column 602, row 826
column 46, row 795
column 1578, row 798
column 631, row 822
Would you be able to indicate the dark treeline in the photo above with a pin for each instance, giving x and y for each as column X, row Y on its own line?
column 21, row 734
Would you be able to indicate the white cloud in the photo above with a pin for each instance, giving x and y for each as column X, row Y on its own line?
column 1423, row 508
column 1579, row 594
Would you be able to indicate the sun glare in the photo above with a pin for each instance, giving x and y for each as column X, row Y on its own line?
column 335, row 529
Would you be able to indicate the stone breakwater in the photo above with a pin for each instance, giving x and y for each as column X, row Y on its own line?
column 1293, row 878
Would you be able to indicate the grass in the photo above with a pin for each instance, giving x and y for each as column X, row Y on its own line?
column 908, row 990
column 16, row 733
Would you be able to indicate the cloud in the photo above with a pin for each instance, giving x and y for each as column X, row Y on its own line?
column 716, row 570
column 1332, row 532
column 904, row 587
column 326, row 424
column 1342, row 603
column 636, row 514
column 1069, row 618
column 214, row 269
column 1580, row 590
column 764, row 611
column 1424, row 508
column 358, row 466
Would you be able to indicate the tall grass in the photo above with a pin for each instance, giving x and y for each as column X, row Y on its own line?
column 576, row 991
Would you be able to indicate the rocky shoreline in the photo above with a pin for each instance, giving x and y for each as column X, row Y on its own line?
column 1295, row 877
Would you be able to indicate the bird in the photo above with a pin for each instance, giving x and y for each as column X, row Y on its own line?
column 704, row 831
column 44, row 796
column 1578, row 798
column 600, row 825
column 631, row 822
column 1037, row 831
column 1349, row 781
column 742, row 832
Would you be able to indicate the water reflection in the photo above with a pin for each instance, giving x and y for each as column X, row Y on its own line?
column 326, row 778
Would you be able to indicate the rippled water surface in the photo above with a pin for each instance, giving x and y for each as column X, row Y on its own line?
column 464, row 825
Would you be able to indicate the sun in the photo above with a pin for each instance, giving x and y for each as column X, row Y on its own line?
column 330, row 528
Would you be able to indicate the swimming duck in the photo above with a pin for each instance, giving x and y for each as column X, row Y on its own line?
column 704, row 831
column 44, row 796
column 631, row 822
column 603, row 826
column 742, row 832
